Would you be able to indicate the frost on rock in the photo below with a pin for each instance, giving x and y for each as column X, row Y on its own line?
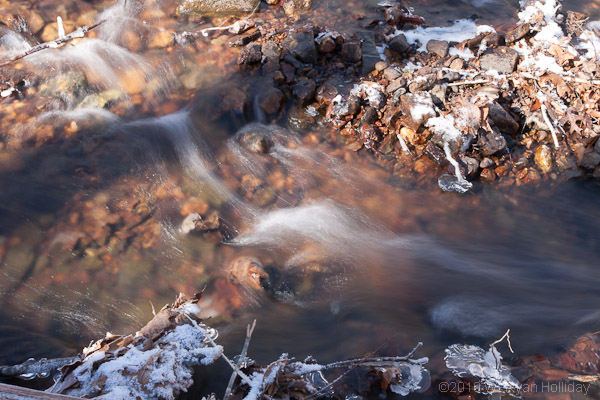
column 466, row 361
column 155, row 363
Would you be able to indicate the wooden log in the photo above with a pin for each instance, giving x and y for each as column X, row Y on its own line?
column 16, row 392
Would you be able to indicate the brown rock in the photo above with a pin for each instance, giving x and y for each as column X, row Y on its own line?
column 488, row 174
column 438, row 47
column 251, row 54
column 161, row 39
column 399, row 44
column 543, row 159
column 518, row 33
column 270, row 100
column 351, row 51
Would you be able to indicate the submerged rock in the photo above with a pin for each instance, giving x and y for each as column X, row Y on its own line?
column 248, row 272
column 217, row 7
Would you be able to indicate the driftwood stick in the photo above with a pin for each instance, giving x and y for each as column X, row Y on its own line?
column 249, row 331
column 76, row 34
column 42, row 366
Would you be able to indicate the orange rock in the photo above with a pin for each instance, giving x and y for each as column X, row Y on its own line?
column 132, row 81
column 132, row 40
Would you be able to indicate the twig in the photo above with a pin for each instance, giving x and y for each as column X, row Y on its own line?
column 38, row 367
column 477, row 82
column 550, row 125
column 249, row 331
column 242, row 375
column 76, row 34
column 361, row 361
column 492, row 347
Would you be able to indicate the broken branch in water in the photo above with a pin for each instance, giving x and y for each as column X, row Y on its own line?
column 76, row 34
column 249, row 331
column 32, row 368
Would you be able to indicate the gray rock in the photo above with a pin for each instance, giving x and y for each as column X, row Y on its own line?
column 503, row 120
column 597, row 146
column 589, row 160
column 351, row 51
column 391, row 73
column 490, row 142
column 217, row 7
column 251, row 54
column 487, row 163
column 370, row 54
column 304, row 91
column 67, row 86
column 471, row 166
column 344, row 108
column 302, row 46
column 439, row 47
column 293, row 61
column 399, row 44
column 271, row 51
column 502, row 59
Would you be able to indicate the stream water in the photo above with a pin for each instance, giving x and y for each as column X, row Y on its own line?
column 359, row 256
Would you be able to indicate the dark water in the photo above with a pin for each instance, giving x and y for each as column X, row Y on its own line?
column 360, row 257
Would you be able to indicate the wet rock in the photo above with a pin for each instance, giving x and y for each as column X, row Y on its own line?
column 101, row 100
column 517, row 33
column 248, row 272
column 217, row 7
column 289, row 72
column 302, row 46
column 299, row 119
column 597, row 146
column 488, row 175
column 272, row 2
column 438, row 47
column 503, row 120
column 251, row 54
column 293, row 61
column 68, row 86
column 501, row 59
column 370, row 115
column 370, row 54
column 195, row 223
column 340, row 107
column 326, row 93
column 271, row 51
column 326, row 45
column 388, row 144
column 471, row 166
column 490, row 142
column 435, row 154
column 293, row 7
column 270, row 100
column 543, row 159
column 589, row 160
column 50, row 31
column 351, row 51
column 256, row 140
column 304, row 91
column 399, row 44
column 160, row 39
column 246, row 38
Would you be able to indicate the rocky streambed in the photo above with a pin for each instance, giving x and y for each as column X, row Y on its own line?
column 293, row 158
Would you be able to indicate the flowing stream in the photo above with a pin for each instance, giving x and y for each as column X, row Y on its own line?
column 357, row 255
